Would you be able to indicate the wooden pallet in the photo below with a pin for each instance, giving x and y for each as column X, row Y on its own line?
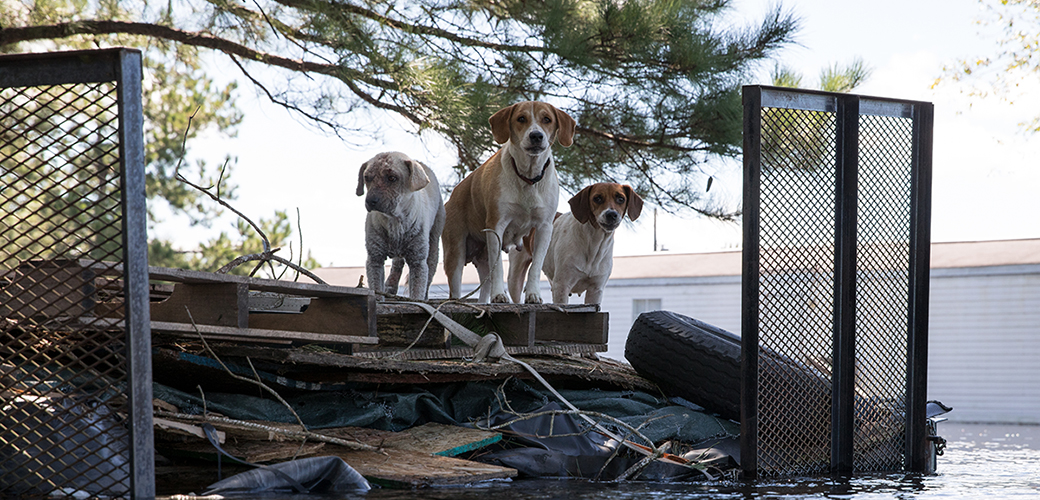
column 583, row 327
column 186, row 303
column 220, row 304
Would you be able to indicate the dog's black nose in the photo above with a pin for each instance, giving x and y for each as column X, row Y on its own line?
column 536, row 136
column 371, row 202
column 611, row 217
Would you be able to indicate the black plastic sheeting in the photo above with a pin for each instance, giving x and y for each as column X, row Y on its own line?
column 562, row 445
column 581, row 453
column 315, row 475
column 453, row 404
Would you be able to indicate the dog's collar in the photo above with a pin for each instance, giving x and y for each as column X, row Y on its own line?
column 531, row 181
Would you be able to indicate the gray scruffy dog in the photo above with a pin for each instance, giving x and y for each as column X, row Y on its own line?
column 405, row 219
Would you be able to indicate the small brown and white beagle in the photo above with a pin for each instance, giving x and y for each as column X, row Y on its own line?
column 512, row 193
column 581, row 253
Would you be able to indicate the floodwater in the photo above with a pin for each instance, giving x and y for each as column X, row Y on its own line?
column 981, row 462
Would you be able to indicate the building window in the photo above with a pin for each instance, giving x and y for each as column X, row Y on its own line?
column 640, row 306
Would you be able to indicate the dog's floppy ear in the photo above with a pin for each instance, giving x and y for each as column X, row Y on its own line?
column 635, row 203
column 565, row 127
column 500, row 124
column 361, row 179
column 417, row 178
column 580, row 208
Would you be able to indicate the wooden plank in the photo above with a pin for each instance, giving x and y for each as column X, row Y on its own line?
column 250, row 451
column 466, row 352
column 219, row 304
column 324, row 315
column 515, row 329
column 408, row 469
column 166, row 430
column 258, row 335
column 401, row 330
column 440, row 439
column 433, row 438
column 449, row 308
column 278, row 286
column 584, row 328
column 47, row 289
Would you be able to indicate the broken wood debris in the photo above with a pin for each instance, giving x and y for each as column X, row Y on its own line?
column 330, row 367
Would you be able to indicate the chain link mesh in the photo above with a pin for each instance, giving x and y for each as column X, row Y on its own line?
column 882, row 291
column 796, row 284
column 62, row 359
column 797, row 258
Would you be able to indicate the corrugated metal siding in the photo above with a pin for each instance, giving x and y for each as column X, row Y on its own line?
column 984, row 343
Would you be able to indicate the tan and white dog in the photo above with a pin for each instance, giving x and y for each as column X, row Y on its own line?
column 404, row 222
column 513, row 192
column 581, row 253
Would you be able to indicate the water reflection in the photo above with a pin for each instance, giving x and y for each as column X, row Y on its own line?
column 981, row 461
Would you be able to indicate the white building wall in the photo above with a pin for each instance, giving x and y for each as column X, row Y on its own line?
column 984, row 343
column 713, row 300
column 984, row 333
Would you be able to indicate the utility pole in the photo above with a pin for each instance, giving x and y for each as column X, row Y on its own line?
column 655, row 229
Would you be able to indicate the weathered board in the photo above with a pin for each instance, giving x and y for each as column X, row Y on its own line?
column 519, row 325
column 333, row 367
column 432, row 438
column 409, row 469
column 256, row 334
column 250, row 451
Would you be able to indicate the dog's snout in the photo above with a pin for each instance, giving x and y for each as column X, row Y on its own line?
column 371, row 202
column 611, row 216
column 536, row 137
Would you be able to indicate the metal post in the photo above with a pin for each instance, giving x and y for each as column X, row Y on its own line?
column 844, row 339
column 135, row 275
column 749, row 296
column 920, row 244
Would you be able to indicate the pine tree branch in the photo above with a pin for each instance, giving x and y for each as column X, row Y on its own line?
column 348, row 76
column 14, row 35
column 624, row 139
column 412, row 28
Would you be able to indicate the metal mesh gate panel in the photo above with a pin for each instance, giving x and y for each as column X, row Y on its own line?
column 835, row 236
column 74, row 372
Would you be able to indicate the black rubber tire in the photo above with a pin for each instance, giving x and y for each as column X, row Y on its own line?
column 688, row 358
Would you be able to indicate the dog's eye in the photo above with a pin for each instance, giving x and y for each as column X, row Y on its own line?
column 546, row 120
column 391, row 178
column 522, row 119
column 620, row 200
column 597, row 199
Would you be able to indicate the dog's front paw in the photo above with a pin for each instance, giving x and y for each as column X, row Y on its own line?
column 532, row 298
column 500, row 299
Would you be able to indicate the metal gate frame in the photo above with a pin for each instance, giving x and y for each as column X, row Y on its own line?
column 846, row 111
column 123, row 68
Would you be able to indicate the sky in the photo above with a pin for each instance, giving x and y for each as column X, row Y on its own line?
column 984, row 166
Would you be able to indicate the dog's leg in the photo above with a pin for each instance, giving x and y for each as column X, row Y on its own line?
column 418, row 273
column 394, row 278
column 496, row 281
column 454, row 262
column 374, row 268
column 483, row 271
column 594, row 295
column 561, row 292
column 434, row 254
column 539, row 248
column 519, row 262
